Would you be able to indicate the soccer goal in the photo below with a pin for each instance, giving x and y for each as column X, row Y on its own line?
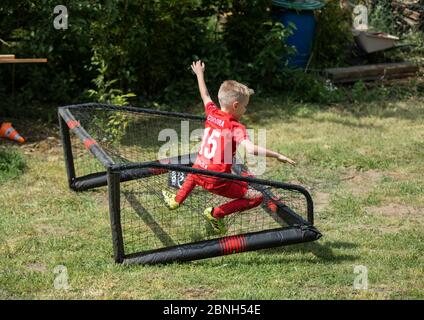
column 136, row 153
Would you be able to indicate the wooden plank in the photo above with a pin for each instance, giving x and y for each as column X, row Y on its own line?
column 36, row 60
column 374, row 71
column 7, row 56
column 386, row 77
column 409, row 22
column 414, row 15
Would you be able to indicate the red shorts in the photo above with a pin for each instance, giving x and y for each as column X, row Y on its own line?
column 232, row 189
column 226, row 188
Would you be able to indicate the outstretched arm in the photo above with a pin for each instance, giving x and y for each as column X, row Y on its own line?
column 198, row 68
column 258, row 150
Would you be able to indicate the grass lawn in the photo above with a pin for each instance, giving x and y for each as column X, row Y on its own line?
column 362, row 162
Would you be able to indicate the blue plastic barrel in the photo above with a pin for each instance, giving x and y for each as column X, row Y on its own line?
column 303, row 36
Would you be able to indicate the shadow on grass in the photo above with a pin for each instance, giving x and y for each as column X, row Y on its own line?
column 323, row 252
column 149, row 220
column 274, row 256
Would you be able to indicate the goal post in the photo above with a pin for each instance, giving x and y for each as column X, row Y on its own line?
column 298, row 231
column 144, row 230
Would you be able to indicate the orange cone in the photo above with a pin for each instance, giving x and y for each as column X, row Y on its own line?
column 7, row 131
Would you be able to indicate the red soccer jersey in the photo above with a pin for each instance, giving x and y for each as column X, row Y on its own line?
column 221, row 137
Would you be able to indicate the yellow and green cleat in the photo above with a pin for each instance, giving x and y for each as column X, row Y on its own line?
column 217, row 224
column 169, row 199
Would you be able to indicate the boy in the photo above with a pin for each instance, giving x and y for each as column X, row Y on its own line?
column 223, row 134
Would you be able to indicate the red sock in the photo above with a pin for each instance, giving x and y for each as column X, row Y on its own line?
column 272, row 204
column 185, row 189
column 237, row 205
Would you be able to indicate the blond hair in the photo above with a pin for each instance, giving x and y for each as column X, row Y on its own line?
column 231, row 91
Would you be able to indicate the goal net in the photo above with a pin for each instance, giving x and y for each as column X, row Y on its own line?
column 137, row 153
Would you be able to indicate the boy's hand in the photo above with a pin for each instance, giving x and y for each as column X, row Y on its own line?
column 284, row 159
column 198, row 67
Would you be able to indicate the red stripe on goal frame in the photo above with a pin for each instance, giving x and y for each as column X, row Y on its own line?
column 233, row 244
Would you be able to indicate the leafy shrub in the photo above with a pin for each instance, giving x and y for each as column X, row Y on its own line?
column 307, row 87
column 115, row 124
column 27, row 27
column 334, row 38
column 11, row 164
column 147, row 47
column 255, row 43
column 381, row 17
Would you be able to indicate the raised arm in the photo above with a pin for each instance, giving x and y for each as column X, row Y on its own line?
column 258, row 150
column 198, row 68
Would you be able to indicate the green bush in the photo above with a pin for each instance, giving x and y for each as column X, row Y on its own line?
column 115, row 124
column 255, row 43
column 381, row 17
column 334, row 39
column 27, row 28
column 12, row 164
column 148, row 46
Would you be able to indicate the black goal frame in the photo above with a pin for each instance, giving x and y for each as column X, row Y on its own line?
column 299, row 230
